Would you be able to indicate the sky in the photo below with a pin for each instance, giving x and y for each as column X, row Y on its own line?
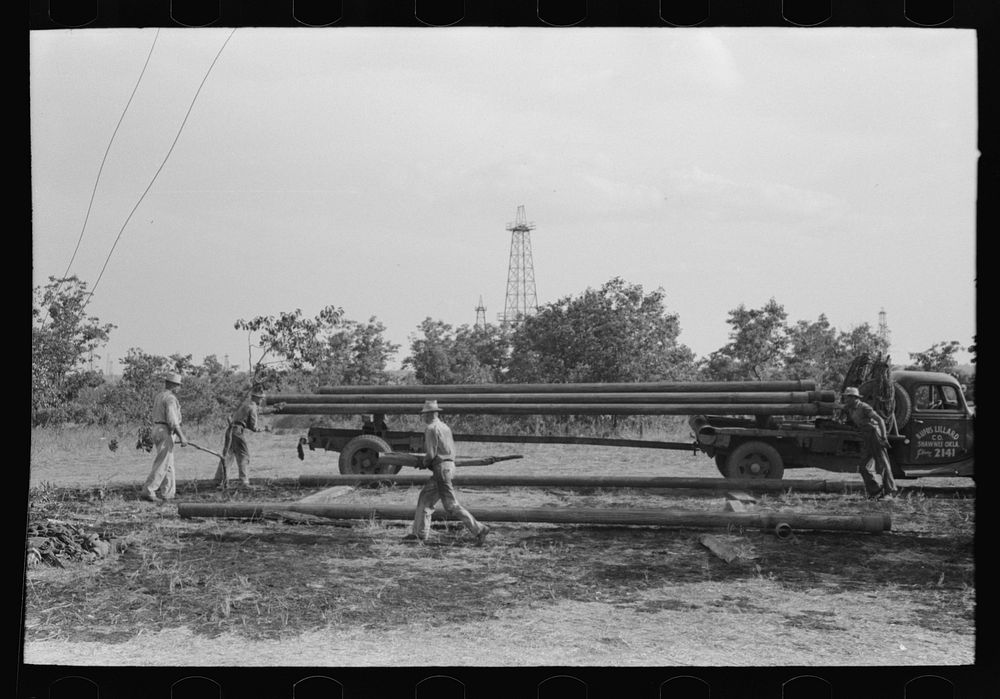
column 377, row 170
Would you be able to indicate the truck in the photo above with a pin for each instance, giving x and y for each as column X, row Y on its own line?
column 930, row 426
column 930, row 434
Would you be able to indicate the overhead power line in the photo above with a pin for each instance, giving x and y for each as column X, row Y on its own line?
column 90, row 205
column 165, row 158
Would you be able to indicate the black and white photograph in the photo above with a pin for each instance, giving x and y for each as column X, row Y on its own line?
column 360, row 347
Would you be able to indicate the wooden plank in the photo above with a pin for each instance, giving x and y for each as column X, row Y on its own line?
column 720, row 548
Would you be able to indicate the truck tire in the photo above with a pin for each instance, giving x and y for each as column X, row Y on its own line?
column 720, row 462
column 360, row 455
column 902, row 405
column 754, row 460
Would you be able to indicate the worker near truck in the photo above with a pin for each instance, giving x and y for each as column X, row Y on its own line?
column 874, row 464
column 235, row 446
column 439, row 457
column 166, row 424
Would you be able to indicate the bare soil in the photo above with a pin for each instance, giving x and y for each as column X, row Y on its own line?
column 287, row 591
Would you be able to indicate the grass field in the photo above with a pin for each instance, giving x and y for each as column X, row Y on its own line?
column 291, row 592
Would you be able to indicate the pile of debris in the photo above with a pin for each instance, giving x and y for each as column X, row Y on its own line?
column 55, row 542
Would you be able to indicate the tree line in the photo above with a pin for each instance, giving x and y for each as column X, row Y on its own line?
column 616, row 333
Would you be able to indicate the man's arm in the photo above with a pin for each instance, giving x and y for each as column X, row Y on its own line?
column 252, row 416
column 174, row 418
column 431, row 446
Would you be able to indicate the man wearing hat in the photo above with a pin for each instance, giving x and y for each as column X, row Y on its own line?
column 235, row 443
column 874, row 459
column 439, row 457
column 166, row 424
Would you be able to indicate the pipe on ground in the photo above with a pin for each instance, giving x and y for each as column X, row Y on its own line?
column 873, row 523
column 547, row 481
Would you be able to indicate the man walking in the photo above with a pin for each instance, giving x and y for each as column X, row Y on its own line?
column 235, row 444
column 439, row 457
column 874, row 459
column 166, row 424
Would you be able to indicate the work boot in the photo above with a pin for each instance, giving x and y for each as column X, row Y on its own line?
column 414, row 539
column 245, row 484
column 481, row 536
column 148, row 496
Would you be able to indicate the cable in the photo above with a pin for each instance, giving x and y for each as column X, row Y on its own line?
column 100, row 170
column 108, row 150
column 160, row 168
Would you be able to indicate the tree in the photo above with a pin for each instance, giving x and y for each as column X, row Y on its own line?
column 63, row 339
column 758, row 340
column 208, row 393
column 355, row 355
column 489, row 347
column 616, row 333
column 129, row 400
column 815, row 352
column 939, row 357
column 437, row 358
column 296, row 342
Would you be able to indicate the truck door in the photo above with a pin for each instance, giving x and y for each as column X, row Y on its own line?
column 940, row 430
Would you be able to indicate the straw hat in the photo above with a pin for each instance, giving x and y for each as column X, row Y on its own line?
column 430, row 406
column 173, row 378
column 851, row 391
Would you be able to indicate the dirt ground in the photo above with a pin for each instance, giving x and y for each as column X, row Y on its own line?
column 295, row 591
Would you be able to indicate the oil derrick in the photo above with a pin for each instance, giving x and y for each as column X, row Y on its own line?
column 521, row 300
column 481, row 314
column 883, row 332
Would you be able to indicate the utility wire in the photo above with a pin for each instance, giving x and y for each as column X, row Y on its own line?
column 108, row 150
column 100, row 170
column 160, row 168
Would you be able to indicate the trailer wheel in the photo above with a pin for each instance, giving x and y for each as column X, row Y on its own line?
column 754, row 460
column 360, row 455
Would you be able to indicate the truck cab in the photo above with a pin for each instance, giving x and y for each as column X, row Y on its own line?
column 930, row 434
column 937, row 435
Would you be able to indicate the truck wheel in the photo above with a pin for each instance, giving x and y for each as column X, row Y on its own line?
column 754, row 460
column 902, row 405
column 720, row 462
column 360, row 455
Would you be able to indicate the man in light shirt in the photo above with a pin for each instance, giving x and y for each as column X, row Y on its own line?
column 166, row 424
column 439, row 457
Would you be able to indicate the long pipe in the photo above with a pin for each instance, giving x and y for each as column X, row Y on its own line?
column 873, row 523
column 486, row 480
column 642, row 386
column 809, row 409
column 517, row 398
column 547, row 481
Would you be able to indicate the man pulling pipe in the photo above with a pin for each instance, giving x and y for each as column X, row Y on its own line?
column 246, row 417
column 439, row 457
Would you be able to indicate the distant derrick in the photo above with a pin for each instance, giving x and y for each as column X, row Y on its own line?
column 521, row 299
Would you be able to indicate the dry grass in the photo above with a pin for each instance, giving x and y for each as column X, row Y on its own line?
column 269, row 580
column 203, row 591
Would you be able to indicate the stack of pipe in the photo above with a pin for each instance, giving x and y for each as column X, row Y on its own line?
column 649, row 398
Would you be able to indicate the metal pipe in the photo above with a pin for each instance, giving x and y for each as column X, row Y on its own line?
column 873, row 523
column 320, row 480
column 632, row 387
column 808, row 409
column 595, row 398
